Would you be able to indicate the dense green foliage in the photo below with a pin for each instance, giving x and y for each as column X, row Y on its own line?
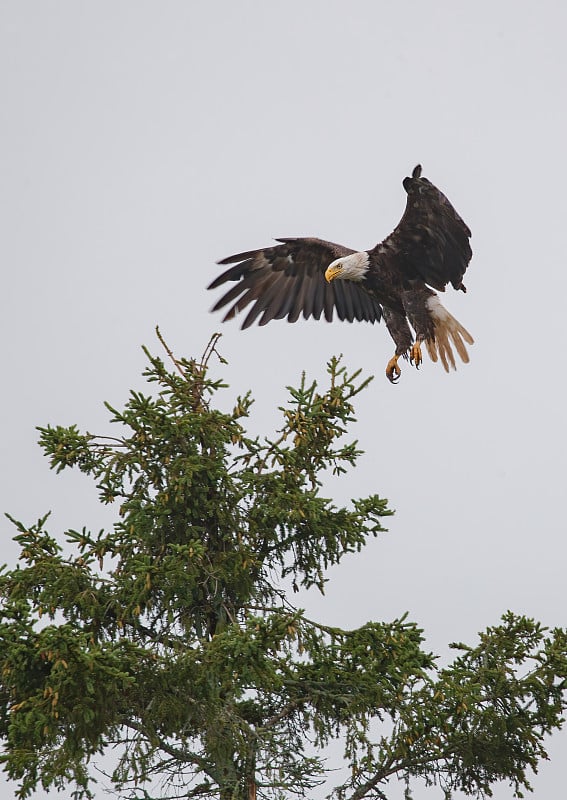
column 170, row 637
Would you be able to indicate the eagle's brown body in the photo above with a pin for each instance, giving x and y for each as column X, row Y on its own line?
column 429, row 248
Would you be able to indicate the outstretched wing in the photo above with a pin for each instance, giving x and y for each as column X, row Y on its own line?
column 431, row 241
column 288, row 280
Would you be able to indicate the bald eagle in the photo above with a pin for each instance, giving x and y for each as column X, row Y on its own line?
column 395, row 280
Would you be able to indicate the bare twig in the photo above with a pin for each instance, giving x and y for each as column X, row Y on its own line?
column 170, row 353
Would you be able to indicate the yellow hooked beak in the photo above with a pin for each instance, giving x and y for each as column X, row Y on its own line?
column 332, row 272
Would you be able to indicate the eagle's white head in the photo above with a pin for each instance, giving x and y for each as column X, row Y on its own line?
column 348, row 268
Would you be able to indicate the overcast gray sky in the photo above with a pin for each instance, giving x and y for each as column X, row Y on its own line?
column 143, row 141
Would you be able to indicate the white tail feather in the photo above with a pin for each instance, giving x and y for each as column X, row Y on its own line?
column 447, row 330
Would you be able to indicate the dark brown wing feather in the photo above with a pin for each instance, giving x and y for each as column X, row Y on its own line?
column 431, row 241
column 288, row 280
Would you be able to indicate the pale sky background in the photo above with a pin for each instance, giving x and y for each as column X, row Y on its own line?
column 143, row 141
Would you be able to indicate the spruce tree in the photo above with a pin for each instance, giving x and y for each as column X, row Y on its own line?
column 172, row 638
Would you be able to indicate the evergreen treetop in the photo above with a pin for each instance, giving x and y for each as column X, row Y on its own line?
column 171, row 637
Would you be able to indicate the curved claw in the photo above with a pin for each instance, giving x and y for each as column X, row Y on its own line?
column 416, row 357
column 393, row 372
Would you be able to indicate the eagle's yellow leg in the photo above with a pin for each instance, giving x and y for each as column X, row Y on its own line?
column 393, row 372
column 415, row 354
